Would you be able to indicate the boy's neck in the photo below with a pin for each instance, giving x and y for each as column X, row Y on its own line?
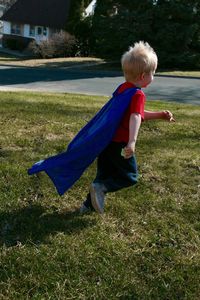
column 135, row 83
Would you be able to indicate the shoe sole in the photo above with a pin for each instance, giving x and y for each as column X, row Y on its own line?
column 94, row 200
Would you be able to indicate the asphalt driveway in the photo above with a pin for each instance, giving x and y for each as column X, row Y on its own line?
column 183, row 90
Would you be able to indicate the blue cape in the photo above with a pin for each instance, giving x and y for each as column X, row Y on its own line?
column 66, row 168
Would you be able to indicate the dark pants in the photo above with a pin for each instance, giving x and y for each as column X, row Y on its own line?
column 113, row 170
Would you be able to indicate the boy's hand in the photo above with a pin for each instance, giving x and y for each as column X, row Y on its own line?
column 168, row 116
column 129, row 150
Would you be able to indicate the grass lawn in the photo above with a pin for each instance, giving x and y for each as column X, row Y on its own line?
column 145, row 246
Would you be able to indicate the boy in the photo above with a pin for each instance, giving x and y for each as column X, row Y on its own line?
column 116, row 164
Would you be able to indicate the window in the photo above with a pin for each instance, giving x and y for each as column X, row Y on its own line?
column 39, row 30
column 44, row 31
column 32, row 31
column 16, row 28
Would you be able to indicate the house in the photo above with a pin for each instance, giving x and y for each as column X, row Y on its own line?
column 90, row 9
column 2, row 8
column 35, row 19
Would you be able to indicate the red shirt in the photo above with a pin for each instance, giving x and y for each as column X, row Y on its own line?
column 136, row 106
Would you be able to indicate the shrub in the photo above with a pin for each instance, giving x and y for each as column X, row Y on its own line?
column 61, row 44
column 15, row 42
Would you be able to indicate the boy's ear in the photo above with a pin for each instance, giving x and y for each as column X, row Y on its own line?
column 141, row 77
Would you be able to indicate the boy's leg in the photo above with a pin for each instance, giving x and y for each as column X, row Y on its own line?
column 97, row 188
column 125, row 175
column 116, row 172
column 105, row 168
column 113, row 173
column 96, row 193
column 86, row 205
column 87, row 202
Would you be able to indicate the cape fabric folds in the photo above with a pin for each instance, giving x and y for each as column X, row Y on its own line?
column 66, row 168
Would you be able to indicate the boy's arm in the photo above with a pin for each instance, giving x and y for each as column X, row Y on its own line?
column 155, row 115
column 134, row 126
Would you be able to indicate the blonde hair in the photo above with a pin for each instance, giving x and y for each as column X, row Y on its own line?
column 141, row 58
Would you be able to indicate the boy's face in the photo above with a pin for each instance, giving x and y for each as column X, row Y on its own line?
column 147, row 78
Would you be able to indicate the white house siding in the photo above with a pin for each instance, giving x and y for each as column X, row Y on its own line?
column 90, row 9
column 6, row 27
column 41, row 37
column 26, row 30
column 2, row 8
column 36, row 36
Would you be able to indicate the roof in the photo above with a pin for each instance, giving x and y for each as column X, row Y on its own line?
column 50, row 13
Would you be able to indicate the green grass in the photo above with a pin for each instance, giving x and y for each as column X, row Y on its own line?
column 179, row 73
column 145, row 246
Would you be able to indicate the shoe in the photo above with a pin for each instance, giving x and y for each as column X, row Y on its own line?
column 84, row 209
column 97, row 193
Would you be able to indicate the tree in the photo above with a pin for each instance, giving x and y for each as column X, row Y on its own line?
column 172, row 27
column 79, row 26
column 117, row 24
column 7, row 3
column 76, row 14
column 177, row 32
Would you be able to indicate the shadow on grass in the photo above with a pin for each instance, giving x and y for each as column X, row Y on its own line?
column 33, row 225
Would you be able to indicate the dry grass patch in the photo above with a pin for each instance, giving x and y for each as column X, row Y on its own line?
column 52, row 62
